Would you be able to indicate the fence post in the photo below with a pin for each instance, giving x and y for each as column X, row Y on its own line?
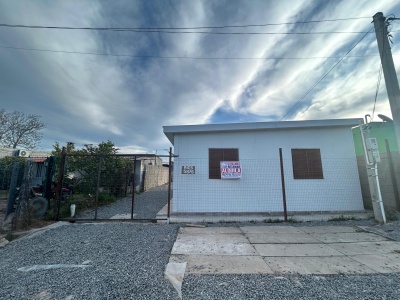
column 133, row 187
column 60, row 180
column 283, row 185
column 169, row 182
column 12, row 189
column 98, row 187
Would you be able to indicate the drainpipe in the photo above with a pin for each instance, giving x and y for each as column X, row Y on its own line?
column 373, row 180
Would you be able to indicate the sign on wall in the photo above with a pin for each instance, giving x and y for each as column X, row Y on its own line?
column 188, row 170
column 231, row 170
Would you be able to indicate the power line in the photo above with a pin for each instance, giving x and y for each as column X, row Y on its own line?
column 215, row 33
column 177, row 28
column 326, row 74
column 185, row 57
column 377, row 91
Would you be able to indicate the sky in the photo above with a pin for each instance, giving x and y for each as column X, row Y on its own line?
column 152, row 79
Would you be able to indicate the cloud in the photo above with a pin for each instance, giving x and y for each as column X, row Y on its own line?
column 89, row 98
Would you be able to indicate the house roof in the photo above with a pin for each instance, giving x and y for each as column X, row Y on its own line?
column 38, row 159
column 170, row 131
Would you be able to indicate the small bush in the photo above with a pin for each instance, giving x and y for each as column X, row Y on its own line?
column 106, row 198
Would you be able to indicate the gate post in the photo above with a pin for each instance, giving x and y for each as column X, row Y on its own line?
column 12, row 189
column 98, row 187
column 133, row 186
column 60, row 180
column 169, row 183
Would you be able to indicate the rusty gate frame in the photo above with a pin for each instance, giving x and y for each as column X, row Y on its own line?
column 60, row 180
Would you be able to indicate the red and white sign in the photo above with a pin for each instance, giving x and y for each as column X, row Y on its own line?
column 231, row 170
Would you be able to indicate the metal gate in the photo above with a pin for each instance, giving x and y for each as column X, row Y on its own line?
column 116, row 187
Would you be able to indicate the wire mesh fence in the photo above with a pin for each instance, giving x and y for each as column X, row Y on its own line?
column 116, row 187
column 7, row 164
column 21, row 195
column 266, row 189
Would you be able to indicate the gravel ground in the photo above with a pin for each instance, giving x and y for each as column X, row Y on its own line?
column 291, row 287
column 146, row 205
column 127, row 261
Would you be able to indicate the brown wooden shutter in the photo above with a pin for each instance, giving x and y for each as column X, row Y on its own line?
column 307, row 164
column 215, row 156
column 314, row 164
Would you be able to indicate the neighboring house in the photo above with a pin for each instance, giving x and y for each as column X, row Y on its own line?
column 388, row 168
column 38, row 157
column 319, row 161
column 4, row 152
column 149, row 172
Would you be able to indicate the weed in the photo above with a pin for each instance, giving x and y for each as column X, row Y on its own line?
column 81, row 201
column 9, row 236
column 343, row 218
column 291, row 220
column 273, row 221
column 392, row 216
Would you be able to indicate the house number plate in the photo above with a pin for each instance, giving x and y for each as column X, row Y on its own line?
column 188, row 170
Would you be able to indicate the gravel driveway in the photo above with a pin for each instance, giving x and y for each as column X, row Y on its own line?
column 127, row 261
column 124, row 261
column 146, row 205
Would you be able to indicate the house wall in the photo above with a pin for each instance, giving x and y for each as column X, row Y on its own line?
column 259, row 189
column 155, row 176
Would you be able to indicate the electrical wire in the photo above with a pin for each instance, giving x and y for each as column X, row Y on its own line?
column 227, row 33
column 377, row 91
column 185, row 57
column 326, row 74
column 178, row 28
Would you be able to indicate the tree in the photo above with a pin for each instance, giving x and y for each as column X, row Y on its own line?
column 3, row 123
column 82, row 167
column 20, row 130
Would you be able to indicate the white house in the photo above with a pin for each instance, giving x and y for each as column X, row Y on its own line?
column 318, row 156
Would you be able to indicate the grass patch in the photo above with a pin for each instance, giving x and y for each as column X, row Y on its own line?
column 81, row 201
column 274, row 221
column 289, row 220
column 3, row 194
column 342, row 218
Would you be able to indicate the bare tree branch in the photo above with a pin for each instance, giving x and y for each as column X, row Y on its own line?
column 20, row 130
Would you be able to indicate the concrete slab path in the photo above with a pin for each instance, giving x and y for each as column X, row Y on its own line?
column 285, row 250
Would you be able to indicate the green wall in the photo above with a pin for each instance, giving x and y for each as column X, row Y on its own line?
column 380, row 131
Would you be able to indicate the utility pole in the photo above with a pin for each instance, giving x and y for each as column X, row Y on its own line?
column 392, row 85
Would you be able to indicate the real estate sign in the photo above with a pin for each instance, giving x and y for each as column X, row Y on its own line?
column 231, row 170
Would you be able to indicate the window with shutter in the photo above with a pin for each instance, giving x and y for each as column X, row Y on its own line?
column 307, row 164
column 215, row 156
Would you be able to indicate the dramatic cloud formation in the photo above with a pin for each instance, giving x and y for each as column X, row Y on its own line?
column 86, row 98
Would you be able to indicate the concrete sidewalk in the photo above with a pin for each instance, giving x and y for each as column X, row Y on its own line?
column 285, row 250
